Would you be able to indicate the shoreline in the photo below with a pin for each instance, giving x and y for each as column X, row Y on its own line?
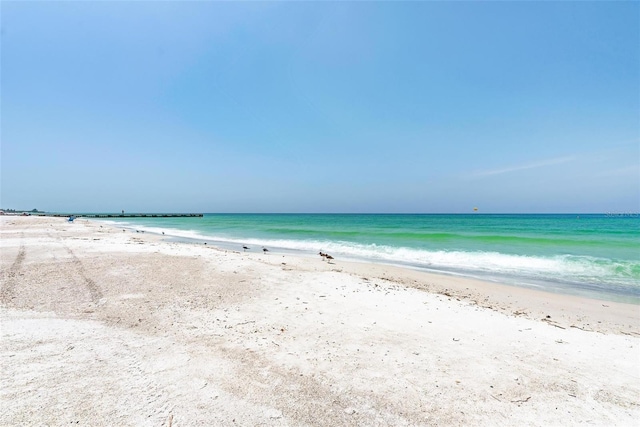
column 563, row 307
column 101, row 325
column 529, row 279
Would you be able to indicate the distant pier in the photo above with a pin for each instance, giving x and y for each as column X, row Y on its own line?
column 133, row 215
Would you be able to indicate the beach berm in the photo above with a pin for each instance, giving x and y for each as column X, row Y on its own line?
column 105, row 327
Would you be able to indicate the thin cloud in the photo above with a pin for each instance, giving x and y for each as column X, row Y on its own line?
column 515, row 168
column 631, row 171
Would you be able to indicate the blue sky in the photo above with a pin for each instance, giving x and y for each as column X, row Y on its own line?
column 320, row 106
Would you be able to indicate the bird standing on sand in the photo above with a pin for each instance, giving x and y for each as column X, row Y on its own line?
column 244, row 248
column 328, row 257
column 265, row 250
column 323, row 255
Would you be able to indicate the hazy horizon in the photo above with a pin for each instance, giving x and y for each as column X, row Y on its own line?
column 633, row 214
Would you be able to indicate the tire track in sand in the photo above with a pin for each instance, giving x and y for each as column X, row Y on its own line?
column 9, row 284
column 94, row 289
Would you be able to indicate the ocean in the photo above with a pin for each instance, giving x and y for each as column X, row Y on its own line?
column 596, row 255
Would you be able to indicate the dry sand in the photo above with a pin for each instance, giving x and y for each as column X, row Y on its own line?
column 105, row 327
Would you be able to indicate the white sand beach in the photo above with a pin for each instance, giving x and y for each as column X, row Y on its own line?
column 100, row 326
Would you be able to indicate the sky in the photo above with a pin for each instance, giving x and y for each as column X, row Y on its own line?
column 320, row 106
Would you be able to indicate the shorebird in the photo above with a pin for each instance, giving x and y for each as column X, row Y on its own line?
column 328, row 257
column 244, row 248
column 265, row 250
column 323, row 255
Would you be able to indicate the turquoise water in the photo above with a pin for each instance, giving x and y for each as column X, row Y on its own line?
column 598, row 255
